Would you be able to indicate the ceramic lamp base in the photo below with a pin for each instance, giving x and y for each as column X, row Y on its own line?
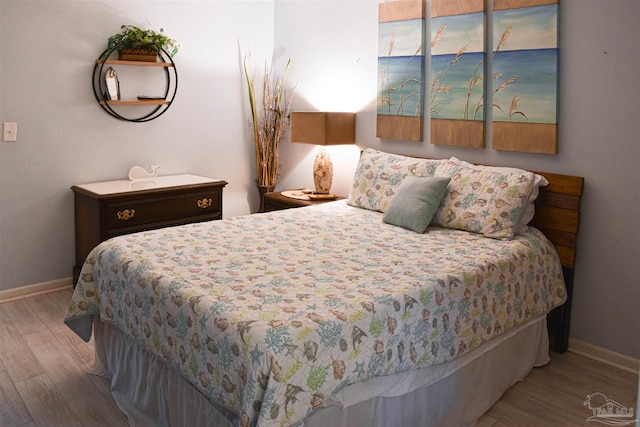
column 322, row 172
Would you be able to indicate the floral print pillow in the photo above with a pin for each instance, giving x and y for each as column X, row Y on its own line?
column 483, row 200
column 379, row 175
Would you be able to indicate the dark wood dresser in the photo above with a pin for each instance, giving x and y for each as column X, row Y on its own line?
column 112, row 208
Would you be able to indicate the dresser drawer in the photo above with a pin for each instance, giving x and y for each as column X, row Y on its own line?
column 112, row 208
column 133, row 213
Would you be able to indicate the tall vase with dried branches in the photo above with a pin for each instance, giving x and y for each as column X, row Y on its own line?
column 269, row 120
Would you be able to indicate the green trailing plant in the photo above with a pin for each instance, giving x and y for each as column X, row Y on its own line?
column 134, row 38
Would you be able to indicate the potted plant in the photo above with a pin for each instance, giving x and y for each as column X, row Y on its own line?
column 137, row 44
column 269, row 119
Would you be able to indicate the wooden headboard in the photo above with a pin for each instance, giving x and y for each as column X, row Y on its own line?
column 558, row 217
column 558, row 213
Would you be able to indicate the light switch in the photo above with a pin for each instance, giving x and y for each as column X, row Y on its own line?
column 10, row 132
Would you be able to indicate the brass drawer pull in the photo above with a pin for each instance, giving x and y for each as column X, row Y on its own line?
column 126, row 214
column 204, row 203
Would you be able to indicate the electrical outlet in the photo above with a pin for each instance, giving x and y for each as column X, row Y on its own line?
column 10, row 132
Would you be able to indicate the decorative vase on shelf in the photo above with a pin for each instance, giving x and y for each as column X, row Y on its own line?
column 262, row 190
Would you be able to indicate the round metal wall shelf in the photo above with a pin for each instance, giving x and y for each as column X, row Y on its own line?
column 117, row 107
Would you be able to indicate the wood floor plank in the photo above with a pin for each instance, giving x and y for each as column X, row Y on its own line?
column 579, row 387
column 563, row 410
column 73, row 382
column 580, row 376
column 13, row 412
column 486, row 421
column 50, row 309
column 84, row 355
column 16, row 356
column 82, row 352
column 511, row 415
column 555, row 394
column 23, row 317
column 45, row 403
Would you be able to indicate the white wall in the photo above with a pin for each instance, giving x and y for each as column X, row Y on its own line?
column 47, row 50
column 334, row 46
column 64, row 138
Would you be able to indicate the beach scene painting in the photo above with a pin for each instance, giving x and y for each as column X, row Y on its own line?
column 525, row 62
column 458, row 61
column 525, row 75
column 401, row 70
column 457, row 67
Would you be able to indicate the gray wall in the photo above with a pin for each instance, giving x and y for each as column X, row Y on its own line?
column 64, row 138
column 46, row 53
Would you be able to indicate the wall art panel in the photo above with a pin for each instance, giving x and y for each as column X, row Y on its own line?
column 525, row 74
column 401, row 70
column 457, row 73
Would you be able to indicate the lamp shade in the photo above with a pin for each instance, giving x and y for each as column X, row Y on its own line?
column 322, row 128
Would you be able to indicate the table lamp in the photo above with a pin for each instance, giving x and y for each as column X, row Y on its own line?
column 323, row 129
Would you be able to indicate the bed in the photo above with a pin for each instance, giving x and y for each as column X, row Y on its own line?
column 376, row 310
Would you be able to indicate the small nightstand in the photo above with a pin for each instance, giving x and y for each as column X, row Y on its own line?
column 276, row 201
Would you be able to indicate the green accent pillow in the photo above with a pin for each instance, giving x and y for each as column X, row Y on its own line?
column 415, row 202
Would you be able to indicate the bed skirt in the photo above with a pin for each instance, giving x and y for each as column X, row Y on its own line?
column 150, row 393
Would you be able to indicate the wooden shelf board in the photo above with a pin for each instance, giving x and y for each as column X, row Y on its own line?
column 136, row 102
column 137, row 63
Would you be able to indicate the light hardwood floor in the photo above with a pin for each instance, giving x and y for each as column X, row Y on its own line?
column 44, row 380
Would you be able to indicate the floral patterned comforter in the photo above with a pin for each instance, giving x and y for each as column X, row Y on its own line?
column 270, row 315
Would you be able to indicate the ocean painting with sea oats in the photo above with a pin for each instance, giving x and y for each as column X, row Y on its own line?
column 400, row 68
column 525, row 64
column 457, row 67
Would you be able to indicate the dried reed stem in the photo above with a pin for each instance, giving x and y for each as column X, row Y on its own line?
column 269, row 120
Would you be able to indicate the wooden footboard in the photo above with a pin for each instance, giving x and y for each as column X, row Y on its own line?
column 558, row 217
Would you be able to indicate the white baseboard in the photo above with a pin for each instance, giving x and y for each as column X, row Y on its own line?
column 37, row 289
column 603, row 355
